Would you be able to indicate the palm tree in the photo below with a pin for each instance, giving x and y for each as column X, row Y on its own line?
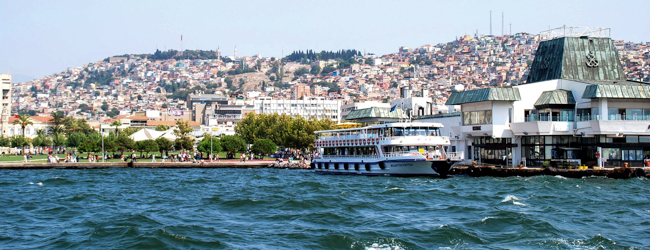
column 116, row 123
column 57, row 118
column 24, row 121
column 56, row 129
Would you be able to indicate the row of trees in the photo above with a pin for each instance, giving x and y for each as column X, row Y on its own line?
column 282, row 130
column 310, row 55
column 76, row 133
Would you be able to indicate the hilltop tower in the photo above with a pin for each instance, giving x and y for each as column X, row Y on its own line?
column 235, row 51
column 218, row 53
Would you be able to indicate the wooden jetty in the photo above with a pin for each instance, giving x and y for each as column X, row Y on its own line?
column 616, row 173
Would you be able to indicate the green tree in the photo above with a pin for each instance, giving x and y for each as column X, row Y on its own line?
column 57, row 118
column 75, row 139
column 164, row 144
column 23, row 121
column 124, row 143
column 18, row 141
column 297, row 135
column 58, row 139
column 183, row 132
column 232, row 143
column 315, row 69
column 300, row 71
column 264, row 146
column 161, row 127
column 209, row 145
column 116, row 123
column 147, row 146
column 104, row 106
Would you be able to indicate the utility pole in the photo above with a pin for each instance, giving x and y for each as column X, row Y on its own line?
column 490, row 23
column 502, row 24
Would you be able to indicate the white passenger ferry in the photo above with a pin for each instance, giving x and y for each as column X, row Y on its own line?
column 397, row 149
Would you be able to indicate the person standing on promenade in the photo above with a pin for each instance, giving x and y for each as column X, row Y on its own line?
column 217, row 156
column 25, row 158
column 153, row 157
column 241, row 157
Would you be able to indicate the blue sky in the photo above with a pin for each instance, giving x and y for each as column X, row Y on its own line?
column 39, row 38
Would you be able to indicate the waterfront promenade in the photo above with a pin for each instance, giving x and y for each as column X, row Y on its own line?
column 472, row 171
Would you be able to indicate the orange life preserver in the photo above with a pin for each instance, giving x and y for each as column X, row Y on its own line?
column 365, row 141
column 597, row 155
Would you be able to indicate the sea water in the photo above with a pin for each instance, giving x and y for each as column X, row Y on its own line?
column 299, row 209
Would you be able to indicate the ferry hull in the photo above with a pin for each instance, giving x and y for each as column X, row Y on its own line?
column 390, row 168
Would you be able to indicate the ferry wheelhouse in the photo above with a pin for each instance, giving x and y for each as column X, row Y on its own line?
column 397, row 149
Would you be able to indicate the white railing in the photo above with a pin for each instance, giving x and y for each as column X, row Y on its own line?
column 401, row 154
column 565, row 31
column 350, row 156
column 455, row 156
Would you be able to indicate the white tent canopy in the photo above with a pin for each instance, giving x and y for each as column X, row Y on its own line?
column 169, row 134
column 146, row 134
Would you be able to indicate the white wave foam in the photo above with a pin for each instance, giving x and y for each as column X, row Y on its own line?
column 561, row 177
column 510, row 198
column 577, row 186
column 486, row 218
column 31, row 183
column 39, row 183
column 519, row 203
column 376, row 246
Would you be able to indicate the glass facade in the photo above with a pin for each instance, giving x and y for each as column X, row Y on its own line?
column 561, row 150
column 493, row 150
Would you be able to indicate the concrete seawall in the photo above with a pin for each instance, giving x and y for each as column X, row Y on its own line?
column 99, row 165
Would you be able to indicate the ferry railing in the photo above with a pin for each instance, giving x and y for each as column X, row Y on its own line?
column 455, row 155
column 349, row 156
column 401, row 153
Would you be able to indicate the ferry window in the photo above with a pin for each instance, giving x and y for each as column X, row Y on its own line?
column 466, row 118
column 488, row 116
column 631, row 139
column 421, row 131
column 643, row 138
column 399, row 131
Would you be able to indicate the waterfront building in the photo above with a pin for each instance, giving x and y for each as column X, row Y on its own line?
column 308, row 107
column 576, row 102
column 5, row 89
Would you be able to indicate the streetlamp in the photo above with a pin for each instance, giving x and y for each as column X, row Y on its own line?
column 102, row 134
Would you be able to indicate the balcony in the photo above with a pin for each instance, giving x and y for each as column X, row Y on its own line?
column 542, row 127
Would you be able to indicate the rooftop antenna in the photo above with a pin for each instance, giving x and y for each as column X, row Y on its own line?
column 510, row 29
column 490, row 23
column 501, row 23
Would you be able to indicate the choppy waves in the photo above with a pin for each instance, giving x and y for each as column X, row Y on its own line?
column 280, row 209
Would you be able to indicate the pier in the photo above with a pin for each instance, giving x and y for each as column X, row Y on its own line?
column 615, row 173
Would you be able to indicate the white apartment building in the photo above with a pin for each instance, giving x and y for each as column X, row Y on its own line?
column 5, row 112
column 313, row 106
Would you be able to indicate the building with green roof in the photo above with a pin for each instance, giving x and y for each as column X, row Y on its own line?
column 576, row 101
